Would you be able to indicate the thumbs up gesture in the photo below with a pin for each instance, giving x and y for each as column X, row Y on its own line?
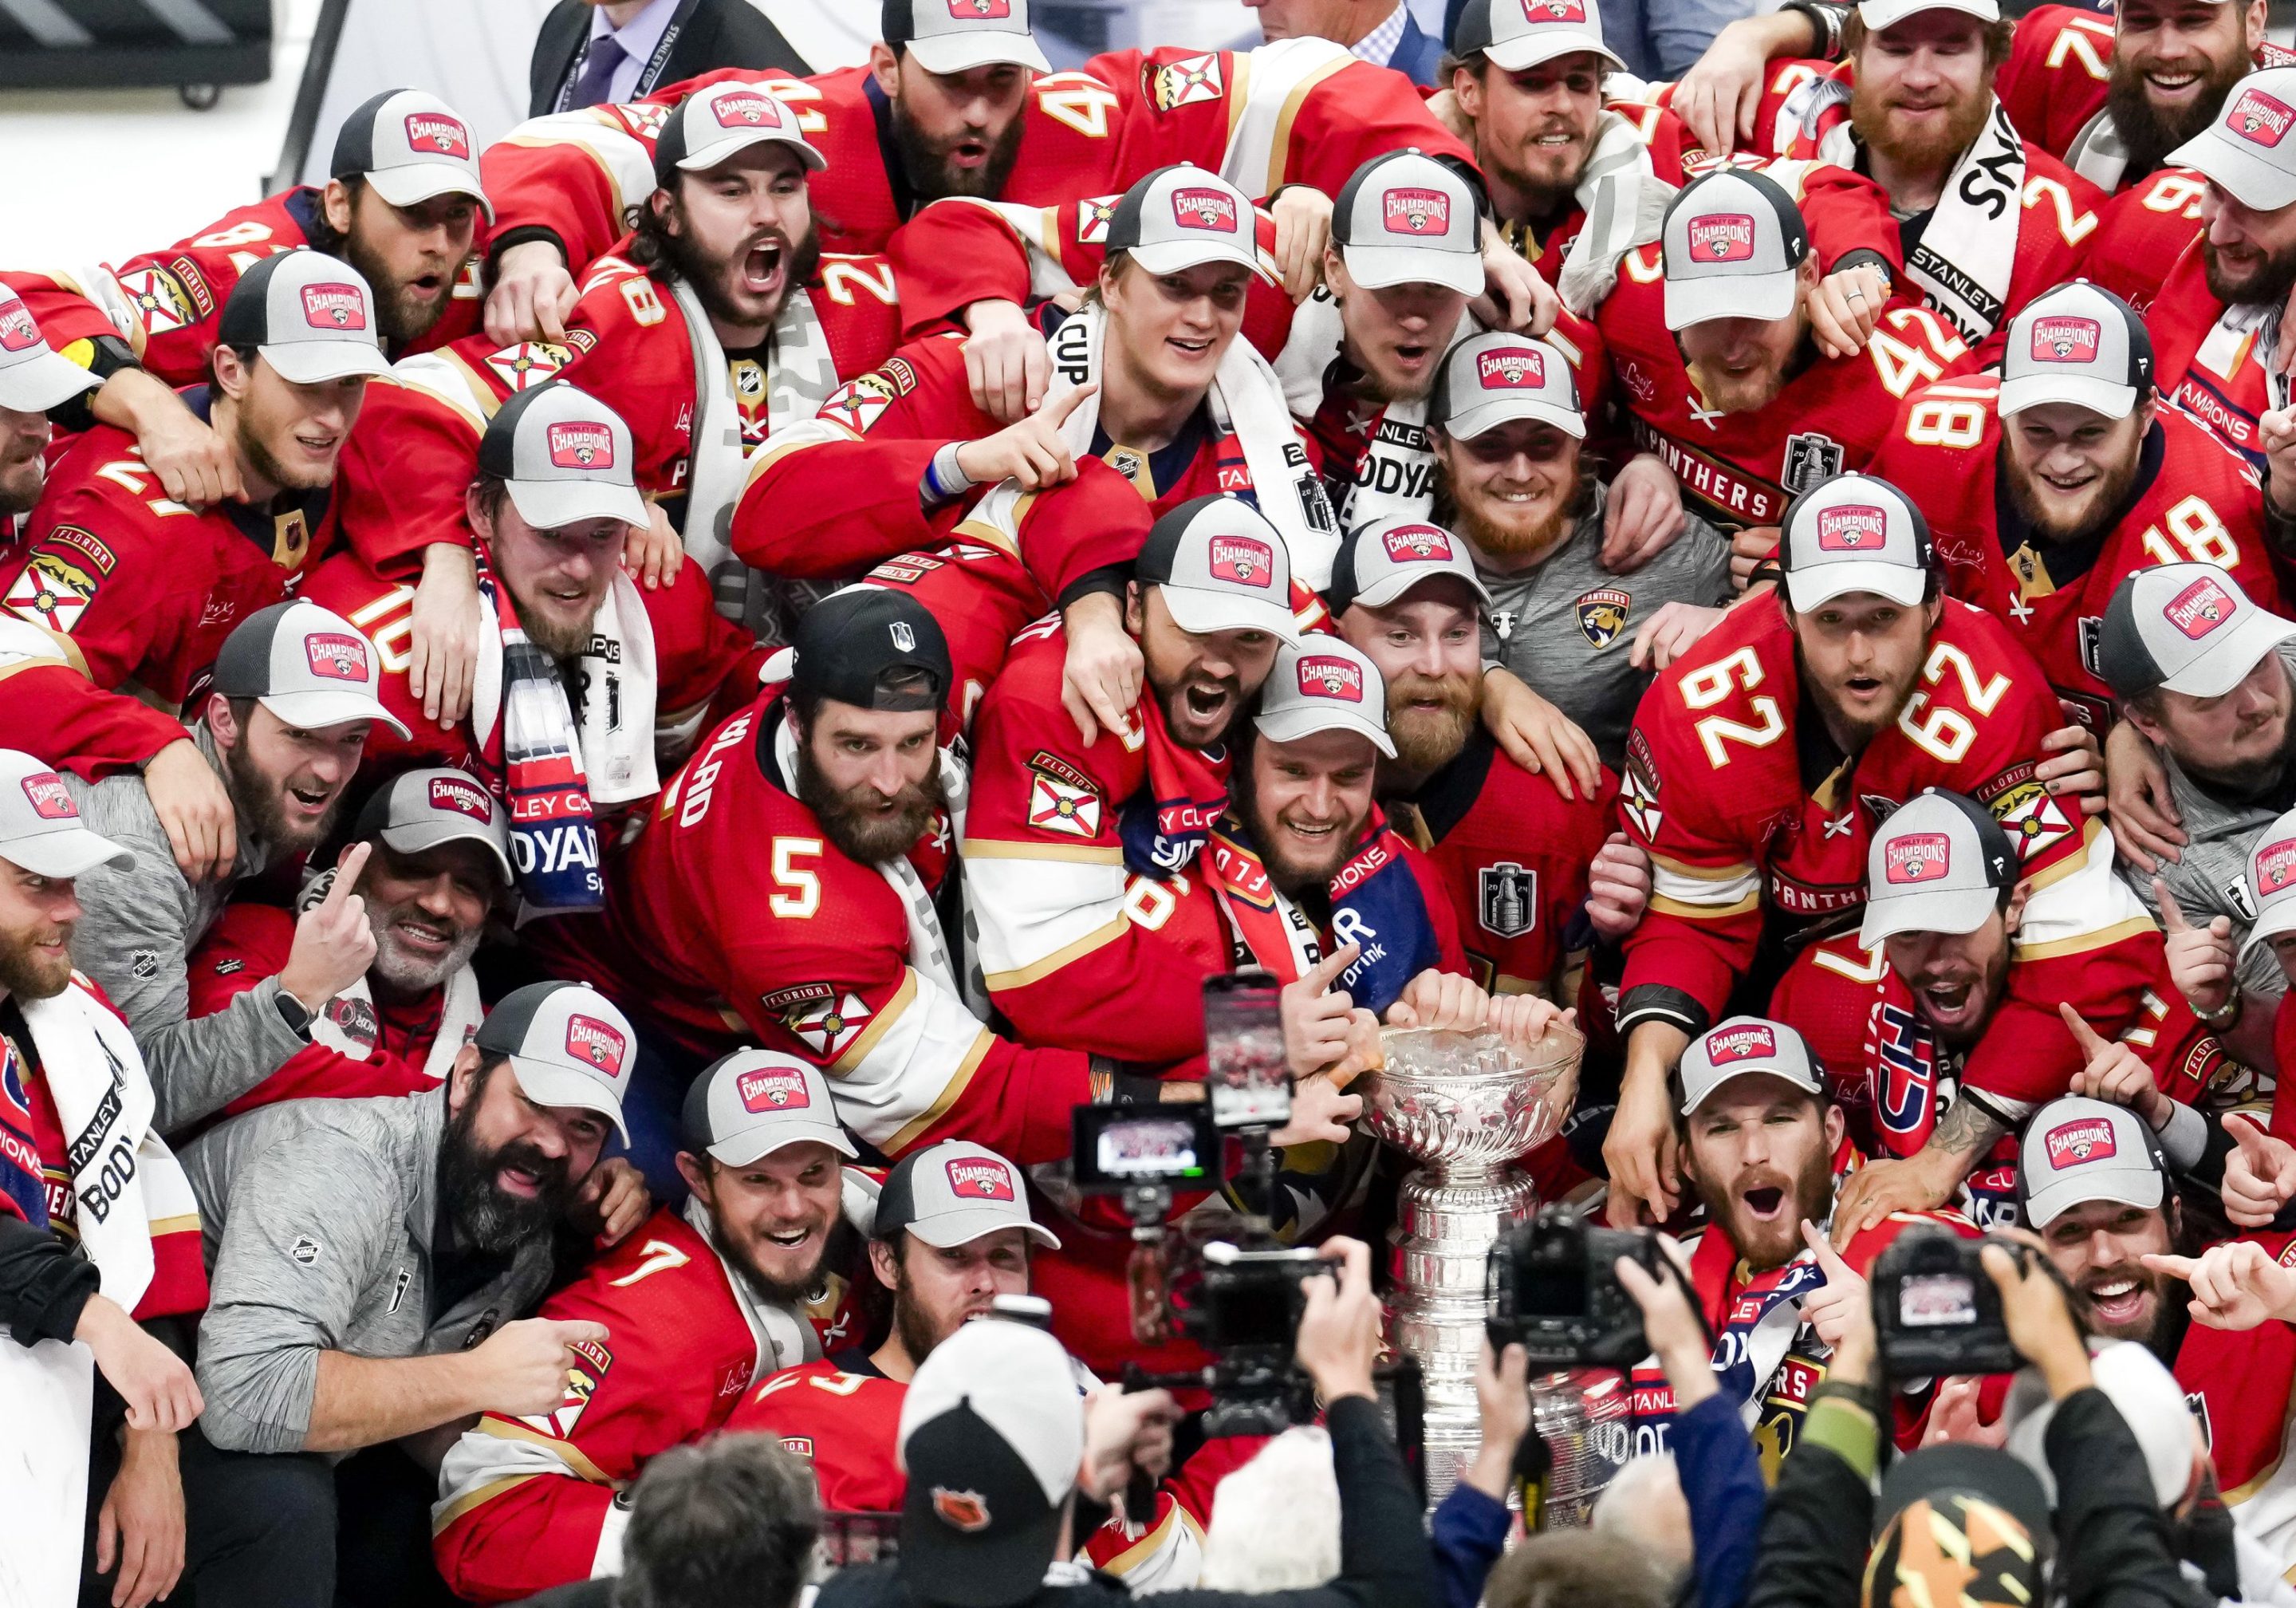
column 2260, row 1176
column 2113, row 1071
column 1842, row 1301
column 2199, row 958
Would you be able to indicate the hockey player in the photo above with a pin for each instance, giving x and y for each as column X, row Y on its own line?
column 33, row 379
column 2044, row 487
column 749, row 1277
column 1760, row 763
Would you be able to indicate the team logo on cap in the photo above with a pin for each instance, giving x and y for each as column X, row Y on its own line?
column 17, row 331
column 1417, row 544
column 334, row 306
column 2066, row 340
column 436, row 131
column 1417, row 212
column 581, row 446
column 1918, row 856
column 1554, row 11
column 970, row 1178
column 1722, row 237
column 2260, row 118
column 773, row 1088
column 1199, row 207
column 972, row 11
column 1243, row 559
column 2200, row 608
column 336, row 655
column 1741, row 1044
column 1329, row 676
column 964, row 1510
column 2070, row 1144
column 463, row 798
column 1858, row 528
column 1518, row 368
column 2276, row 867
column 50, row 800
column 745, row 109
column 602, row 1046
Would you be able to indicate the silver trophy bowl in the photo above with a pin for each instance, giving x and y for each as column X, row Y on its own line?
column 1466, row 1107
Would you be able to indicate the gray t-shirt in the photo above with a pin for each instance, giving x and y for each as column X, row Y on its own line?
column 1566, row 624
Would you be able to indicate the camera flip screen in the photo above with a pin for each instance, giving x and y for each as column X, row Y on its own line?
column 1149, row 1147
column 1936, row 1300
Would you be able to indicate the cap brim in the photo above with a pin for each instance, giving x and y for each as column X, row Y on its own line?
column 1200, row 612
column 947, row 54
column 946, row 1230
column 1479, row 421
column 1378, row 267
column 68, row 853
column 564, row 1089
column 316, row 712
column 755, row 1146
column 1879, row 15
column 1748, row 1070
column 1516, row 54
column 2125, row 1184
column 423, row 836
column 1289, row 726
column 548, row 505
column 42, row 381
column 1703, row 299
column 316, row 362
column 734, row 145
column 1398, row 582
column 1178, row 256
column 2227, row 664
column 1943, row 910
column 411, row 186
column 2098, row 395
column 2270, row 922
column 2251, row 181
column 1806, row 589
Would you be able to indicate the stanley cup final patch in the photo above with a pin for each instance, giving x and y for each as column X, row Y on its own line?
column 1506, row 898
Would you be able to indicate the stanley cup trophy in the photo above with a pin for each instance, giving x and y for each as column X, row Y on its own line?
column 1466, row 1107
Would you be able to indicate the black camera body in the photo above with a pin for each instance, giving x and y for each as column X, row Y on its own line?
column 1936, row 1310
column 1552, row 1288
column 1244, row 1305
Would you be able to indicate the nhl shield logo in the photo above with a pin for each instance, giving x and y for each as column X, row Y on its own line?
column 1603, row 615
column 1811, row 459
column 1506, row 898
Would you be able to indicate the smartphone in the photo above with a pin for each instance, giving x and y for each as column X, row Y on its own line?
column 1246, row 1082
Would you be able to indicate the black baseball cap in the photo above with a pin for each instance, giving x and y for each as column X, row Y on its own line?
column 1953, row 1481
column 856, row 645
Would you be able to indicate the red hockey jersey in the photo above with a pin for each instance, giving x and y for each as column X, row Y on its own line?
column 2204, row 356
column 2236, row 1383
column 2142, row 232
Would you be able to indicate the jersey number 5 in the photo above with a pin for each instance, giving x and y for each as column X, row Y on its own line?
column 803, row 897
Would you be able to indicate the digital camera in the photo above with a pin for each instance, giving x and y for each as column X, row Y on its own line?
column 1936, row 1310
column 1552, row 1289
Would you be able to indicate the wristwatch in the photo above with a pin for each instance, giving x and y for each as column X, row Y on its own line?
column 293, row 1013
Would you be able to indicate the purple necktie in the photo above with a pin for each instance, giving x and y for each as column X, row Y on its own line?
column 592, row 84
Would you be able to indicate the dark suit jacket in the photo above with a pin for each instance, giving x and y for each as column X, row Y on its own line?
column 716, row 33
column 1418, row 55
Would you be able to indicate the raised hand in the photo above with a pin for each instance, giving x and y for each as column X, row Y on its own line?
column 1317, row 1030
column 2237, row 1284
column 2259, row 1175
column 2200, row 959
column 333, row 943
column 2111, row 1071
column 523, row 1365
column 1842, row 1300
column 1030, row 453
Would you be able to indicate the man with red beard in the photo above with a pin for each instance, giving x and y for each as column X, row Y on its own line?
column 748, row 1277
column 2046, row 487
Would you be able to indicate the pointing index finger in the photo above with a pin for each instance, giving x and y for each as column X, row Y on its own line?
column 2172, row 915
column 1828, row 1258
column 2083, row 1034
column 1066, row 404
column 1320, row 975
column 347, row 873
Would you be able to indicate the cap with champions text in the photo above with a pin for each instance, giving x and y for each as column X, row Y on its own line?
column 991, row 1437
column 1938, row 864
column 308, row 316
column 2247, row 149
column 951, row 1194
column 1405, row 218
column 1324, row 683
column 1495, row 378
column 2080, row 344
column 2076, row 1150
column 568, row 1045
column 2272, row 882
column 563, row 456
column 34, row 377
column 1520, row 34
column 1382, row 562
column 1855, row 533
column 869, row 646
column 948, row 36
column 753, row 1102
column 1742, row 1045
column 419, row 810
column 307, row 665
column 40, row 828
column 1879, row 15
column 410, row 147
column 1222, row 566
column 1182, row 216
column 713, row 125
column 1732, row 244
column 2188, row 629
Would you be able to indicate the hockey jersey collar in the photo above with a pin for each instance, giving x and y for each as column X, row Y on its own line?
column 259, row 524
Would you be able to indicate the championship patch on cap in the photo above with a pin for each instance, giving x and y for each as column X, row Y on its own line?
column 980, row 10
column 743, row 109
column 970, row 1178
column 1741, row 1044
column 336, row 655
column 1919, row 856
column 1198, row 207
column 2070, row 1144
column 773, row 1088
column 1329, row 676
column 2260, row 118
column 333, row 306
column 2275, row 866
column 1857, row 528
column 2065, row 340
column 1518, row 370
column 602, row 1046
column 18, row 331
column 463, row 798
column 964, row 1510
column 1412, row 544
column 2200, row 608
column 436, row 131
column 1554, row 11
column 1722, row 237
column 1243, row 559
column 577, row 445
column 51, row 800
column 1414, row 211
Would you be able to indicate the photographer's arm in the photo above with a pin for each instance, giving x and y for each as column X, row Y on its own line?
column 1470, row 1527
column 1812, row 1553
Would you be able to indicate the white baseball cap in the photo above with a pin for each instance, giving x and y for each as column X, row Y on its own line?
column 1324, row 683
column 1182, row 216
column 1740, row 1046
column 1379, row 562
column 419, row 810
column 307, row 665
column 1855, row 533
column 1405, row 218
column 310, row 316
column 1222, row 566
column 40, row 828
column 1491, row 379
column 753, row 1102
column 2247, row 149
column 410, row 146
column 952, row 1194
column 1879, row 15
column 2076, row 1150
column 1938, row 864
column 568, row 1045
column 2188, row 629
column 1519, row 34
column 713, row 125
column 2080, row 344
column 2272, row 881
column 33, row 377
column 948, row 36
column 562, row 456
column 1733, row 244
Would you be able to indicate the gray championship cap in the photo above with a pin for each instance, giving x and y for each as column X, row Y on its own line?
column 33, row 378
column 410, row 147
column 1222, row 566
column 1938, row 864
column 1182, row 216
column 1381, row 561
column 568, row 1046
column 1405, row 218
column 2078, row 344
column 1519, row 34
column 1324, row 683
column 2247, row 151
column 2076, row 1150
column 949, row 37
column 872, row 647
column 563, row 456
column 307, row 665
column 951, row 1194
column 309, row 316
column 1741, row 1046
column 40, row 827
column 753, row 1102
column 1733, row 244
column 714, row 125
column 2272, row 882
column 1879, row 15
column 1855, row 533
column 2188, row 629
column 1494, row 378
column 419, row 810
